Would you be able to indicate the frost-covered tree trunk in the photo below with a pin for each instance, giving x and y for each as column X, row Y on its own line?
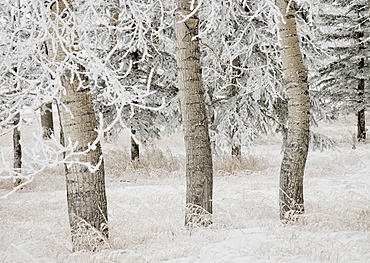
column 47, row 120
column 17, row 151
column 135, row 149
column 236, row 149
column 87, row 203
column 17, row 148
column 361, row 124
column 86, row 196
column 199, row 169
column 297, row 93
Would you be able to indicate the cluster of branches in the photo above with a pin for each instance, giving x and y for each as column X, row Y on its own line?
column 127, row 52
column 120, row 49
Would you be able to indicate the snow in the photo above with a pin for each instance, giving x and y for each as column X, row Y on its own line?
column 146, row 206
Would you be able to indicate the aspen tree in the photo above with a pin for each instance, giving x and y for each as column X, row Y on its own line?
column 297, row 94
column 86, row 196
column 199, row 169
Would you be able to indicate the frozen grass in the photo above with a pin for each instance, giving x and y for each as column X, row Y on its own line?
column 153, row 164
column 230, row 165
column 146, row 205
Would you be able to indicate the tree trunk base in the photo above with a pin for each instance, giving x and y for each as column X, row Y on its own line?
column 17, row 151
column 17, row 182
column 361, row 126
column 87, row 237
column 135, row 149
column 197, row 216
column 47, row 120
column 236, row 151
column 290, row 213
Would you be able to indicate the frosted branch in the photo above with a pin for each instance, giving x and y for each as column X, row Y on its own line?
column 186, row 17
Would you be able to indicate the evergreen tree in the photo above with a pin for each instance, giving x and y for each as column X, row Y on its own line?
column 241, row 72
column 138, row 48
column 314, row 57
column 343, row 79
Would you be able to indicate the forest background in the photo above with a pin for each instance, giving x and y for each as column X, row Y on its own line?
column 122, row 55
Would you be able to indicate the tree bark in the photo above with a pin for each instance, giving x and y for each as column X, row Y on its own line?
column 17, row 151
column 236, row 148
column 297, row 93
column 17, row 148
column 135, row 148
column 199, row 169
column 86, row 196
column 47, row 120
column 361, row 125
column 236, row 151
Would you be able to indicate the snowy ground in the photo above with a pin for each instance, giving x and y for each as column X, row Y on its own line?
column 146, row 202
